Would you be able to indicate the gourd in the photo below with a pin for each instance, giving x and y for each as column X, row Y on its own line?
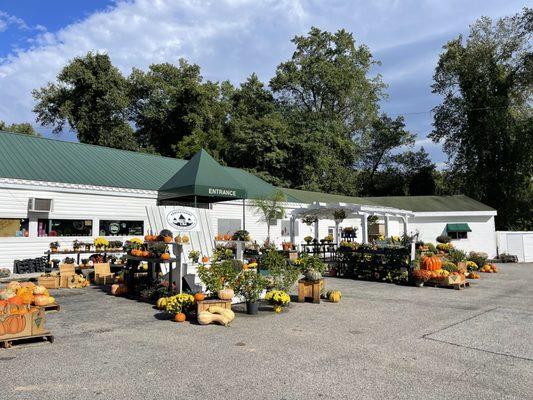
column 167, row 239
column 40, row 290
column 229, row 314
column 6, row 294
column 313, row 275
column 226, row 294
column 16, row 300
column 180, row 317
column 334, row 296
column 41, row 300
column 161, row 303
column 206, row 318
column 118, row 289
column 199, row 296
column 26, row 294
column 432, row 263
column 165, row 256
column 185, row 239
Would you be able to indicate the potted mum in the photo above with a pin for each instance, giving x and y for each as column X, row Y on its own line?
column 278, row 299
column 101, row 243
column 420, row 276
column 249, row 285
column 194, row 256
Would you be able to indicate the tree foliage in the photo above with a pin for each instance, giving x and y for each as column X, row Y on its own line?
column 485, row 119
column 24, row 128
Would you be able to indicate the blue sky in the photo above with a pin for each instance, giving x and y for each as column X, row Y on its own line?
column 230, row 39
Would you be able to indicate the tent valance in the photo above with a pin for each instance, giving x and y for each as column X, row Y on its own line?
column 458, row 228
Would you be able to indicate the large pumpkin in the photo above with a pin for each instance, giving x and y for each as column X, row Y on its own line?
column 334, row 296
column 226, row 294
column 432, row 263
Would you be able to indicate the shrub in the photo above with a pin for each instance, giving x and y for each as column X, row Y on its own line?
column 431, row 247
column 284, row 275
column 456, row 255
column 444, row 239
column 250, row 284
column 312, row 263
column 219, row 275
column 478, row 257
column 450, row 266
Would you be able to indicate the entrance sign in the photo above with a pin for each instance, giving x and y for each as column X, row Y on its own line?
column 222, row 192
column 182, row 219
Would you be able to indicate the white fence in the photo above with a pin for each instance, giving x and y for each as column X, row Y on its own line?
column 519, row 244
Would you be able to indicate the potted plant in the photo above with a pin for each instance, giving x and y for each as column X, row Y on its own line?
column 349, row 232
column 249, row 285
column 420, row 276
column 101, row 243
column 312, row 268
column 286, row 246
column 194, row 256
column 76, row 245
column 219, row 278
column 54, row 246
column 339, row 215
column 241, row 235
column 179, row 305
column 308, row 239
column 329, row 239
column 69, row 260
column 157, row 248
column 309, row 219
column 278, row 298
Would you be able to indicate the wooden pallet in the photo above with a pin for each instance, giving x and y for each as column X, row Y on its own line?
column 52, row 307
column 6, row 344
column 456, row 286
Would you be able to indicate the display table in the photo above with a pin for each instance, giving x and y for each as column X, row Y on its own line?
column 309, row 289
column 154, row 267
column 78, row 253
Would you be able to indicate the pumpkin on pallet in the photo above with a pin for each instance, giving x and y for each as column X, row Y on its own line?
column 431, row 263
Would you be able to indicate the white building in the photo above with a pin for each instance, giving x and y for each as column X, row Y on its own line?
column 92, row 191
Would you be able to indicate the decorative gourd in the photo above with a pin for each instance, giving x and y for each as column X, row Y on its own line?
column 185, row 239
column 40, row 290
column 29, row 285
column 206, row 318
column 226, row 294
column 229, row 314
column 334, row 296
column 14, row 285
column 180, row 317
column 41, row 300
column 165, row 256
column 6, row 294
column 199, row 296
column 432, row 263
column 15, row 323
column 313, row 275
column 162, row 303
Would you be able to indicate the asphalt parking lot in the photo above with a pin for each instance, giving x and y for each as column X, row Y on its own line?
column 381, row 342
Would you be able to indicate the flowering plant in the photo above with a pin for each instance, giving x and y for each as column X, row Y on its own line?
column 194, row 255
column 471, row 266
column 179, row 303
column 136, row 241
column 278, row 297
column 101, row 242
column 421, row 275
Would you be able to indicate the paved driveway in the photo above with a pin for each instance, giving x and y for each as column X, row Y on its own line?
column 381, row 342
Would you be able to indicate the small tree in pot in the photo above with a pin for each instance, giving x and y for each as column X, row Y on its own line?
column 249, row 285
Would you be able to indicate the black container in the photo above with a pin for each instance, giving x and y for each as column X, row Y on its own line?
column 252, row 307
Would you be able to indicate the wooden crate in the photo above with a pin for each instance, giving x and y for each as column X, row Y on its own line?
column 49, row 282
column 205, row 304
column 309, row 289
column 32, row 324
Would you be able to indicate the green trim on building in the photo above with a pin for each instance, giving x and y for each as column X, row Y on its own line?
column 458, row 228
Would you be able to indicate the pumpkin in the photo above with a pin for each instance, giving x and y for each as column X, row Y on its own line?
column 16, row 300
column 6, row 294
column 40, row 290
column 29, row 285
column 206, row 318
column 226, row 294
column 145, row 253
column 227, row 237
column 180, row 317
column 118, row 289
column 167, row 239
column 432, row 263
column 199, row 296
column 14, row 285
column 26, row 294
column 334, row 296
column 161, row 303
column 177, row 239
column 41, row 300
column 205, row 259
column 10, row 308
column 15, row 323
column 165, row 256
column 219, row 237
column 185, row 239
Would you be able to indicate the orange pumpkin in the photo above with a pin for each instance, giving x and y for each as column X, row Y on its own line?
column 227, row 237
column 432, row 263
column 167, row 239
column 205, row 259
column 16, row 300
column 145, row 253
column 180, row 317
column 15, row 323
column 199, row 296
column 165, row 256
column 26, row 294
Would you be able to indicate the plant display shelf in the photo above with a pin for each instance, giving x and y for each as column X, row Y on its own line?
column 49, row 253
column 325, row 251
column 154, row 267
column 8, row 343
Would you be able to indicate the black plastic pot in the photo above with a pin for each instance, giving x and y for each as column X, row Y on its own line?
column 252, row 307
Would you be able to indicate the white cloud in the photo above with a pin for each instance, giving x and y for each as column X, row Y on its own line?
column 230, row 39
column 6, row 20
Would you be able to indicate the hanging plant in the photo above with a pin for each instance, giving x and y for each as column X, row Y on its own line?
column 339, row 215
column 309, row 219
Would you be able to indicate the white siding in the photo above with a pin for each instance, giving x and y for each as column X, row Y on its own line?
column 518, row 244
column 482, row 238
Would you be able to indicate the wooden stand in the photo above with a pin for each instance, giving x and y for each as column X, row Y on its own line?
column 309, row 289
column 6, row 344
column 51, row 307
column 205, row 304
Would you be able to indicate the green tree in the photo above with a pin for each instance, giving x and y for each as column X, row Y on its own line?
column 485, row 119
column 91, row 97
column 24, row 128
column 175, row 112
column 270, row 208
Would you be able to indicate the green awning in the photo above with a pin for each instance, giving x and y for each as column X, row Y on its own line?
column 458, row 228
column 203, row 178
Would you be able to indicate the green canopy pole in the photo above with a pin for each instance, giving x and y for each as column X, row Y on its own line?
column 195, row 204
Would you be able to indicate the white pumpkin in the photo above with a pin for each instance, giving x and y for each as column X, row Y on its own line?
column 6, row 294
column 40, row 290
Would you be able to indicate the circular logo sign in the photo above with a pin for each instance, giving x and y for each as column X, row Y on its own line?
column 114, row 228
column 182, row 220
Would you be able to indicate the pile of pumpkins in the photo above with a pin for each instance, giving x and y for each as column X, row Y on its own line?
column 489, row 268
column 166, row 236
column 25, row 293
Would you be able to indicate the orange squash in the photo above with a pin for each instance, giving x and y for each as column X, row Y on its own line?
column 205, row 259
column 167, row 239
column 432, row 263
column 180, row 317
column 16, row 300
column 165, row 256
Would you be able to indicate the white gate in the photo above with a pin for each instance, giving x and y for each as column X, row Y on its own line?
column 519, row 244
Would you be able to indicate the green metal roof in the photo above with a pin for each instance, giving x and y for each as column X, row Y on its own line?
column 49, row 160
column 203, row 176
column 412, row 203
column 458, row 228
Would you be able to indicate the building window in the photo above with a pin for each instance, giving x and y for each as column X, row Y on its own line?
column 227, row 226
column 121, row 228
column 14, row 227
column 458, row 235
column 64, row 227
column 286, row 228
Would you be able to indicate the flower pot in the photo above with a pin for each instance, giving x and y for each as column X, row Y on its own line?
column 252, row 307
